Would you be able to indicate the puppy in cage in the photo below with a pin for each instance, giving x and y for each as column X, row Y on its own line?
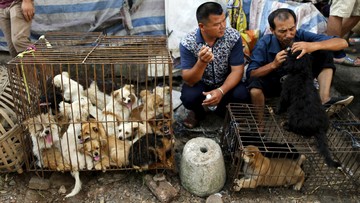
column 77, row 111
column 129, row 129
column 44, row 133
column 165, row 93
column 299, row 98
column 262, row 171
column 152, row 106
column 119, row 108
column 71, row 89
column 97, row 149
column 115, row 148
column 92, row 130
column 151, row 152
column 100, row 98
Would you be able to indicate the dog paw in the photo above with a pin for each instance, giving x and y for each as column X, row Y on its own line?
column 297, row 187
column 98, row 167
column 238, row 184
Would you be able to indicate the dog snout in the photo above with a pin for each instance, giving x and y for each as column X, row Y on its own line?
column 47, row 132
column 96, row 154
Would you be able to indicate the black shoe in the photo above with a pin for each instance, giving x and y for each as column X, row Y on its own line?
column 336, row 104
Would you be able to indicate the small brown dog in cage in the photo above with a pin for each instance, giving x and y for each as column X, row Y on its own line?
column 152, row 105
column 92, row 130
column 98, row 151
column 263, row 171
column 52, row 159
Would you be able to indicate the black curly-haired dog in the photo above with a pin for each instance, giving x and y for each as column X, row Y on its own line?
column 301, row 100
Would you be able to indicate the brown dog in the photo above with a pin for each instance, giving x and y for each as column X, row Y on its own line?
column 52, row 159
column 153, row 105
column 119, row 150
column 262, row 171
column 92, row 130
column 97, row 149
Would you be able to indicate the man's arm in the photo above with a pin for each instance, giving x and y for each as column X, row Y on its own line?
column 230, row 82
column 269, row 67
column 194, row 74
column 333, row 44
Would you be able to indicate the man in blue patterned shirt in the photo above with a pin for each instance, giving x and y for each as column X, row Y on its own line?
column 212, row 62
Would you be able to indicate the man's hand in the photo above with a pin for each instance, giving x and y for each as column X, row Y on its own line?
column 28, row 9
column 205, row 54
column 215, row 99
column 304, row 47
column 279, row 59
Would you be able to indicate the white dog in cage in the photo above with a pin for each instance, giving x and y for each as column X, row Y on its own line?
column 79, row 110
column 164, row 92
column 44, row 134
column 72, row 156
column 133, row 129
column 97, row 97
column 119, row 108
column 72, row 90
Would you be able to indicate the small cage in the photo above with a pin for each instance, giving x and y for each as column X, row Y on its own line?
column 242, row 129
column 95, row 102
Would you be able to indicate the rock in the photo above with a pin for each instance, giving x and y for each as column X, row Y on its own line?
column 58, row 179
column 215, row 198
column 62, row 190
column 37, row 183
column 202, row 167
column 163, row 190
column 33, row 196
column 12, row 183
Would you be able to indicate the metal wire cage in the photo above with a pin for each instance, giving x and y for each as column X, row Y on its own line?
column 242, row 128
column 66, row 81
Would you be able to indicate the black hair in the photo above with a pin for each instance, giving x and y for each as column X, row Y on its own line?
column 282, row 14
column 206, row 9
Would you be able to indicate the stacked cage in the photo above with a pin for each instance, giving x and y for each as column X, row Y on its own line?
column 264, row 154
column 95, row 102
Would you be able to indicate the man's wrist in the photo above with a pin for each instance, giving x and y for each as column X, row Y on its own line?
column 202, row 61
column 222, row 92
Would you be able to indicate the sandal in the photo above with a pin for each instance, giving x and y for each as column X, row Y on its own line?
column 348, row 61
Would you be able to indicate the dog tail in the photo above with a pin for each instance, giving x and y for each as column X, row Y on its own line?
column 323, row 148
column 77, row 186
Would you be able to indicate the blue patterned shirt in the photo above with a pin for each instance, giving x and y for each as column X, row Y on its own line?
column 227, row 50
column 268, row 46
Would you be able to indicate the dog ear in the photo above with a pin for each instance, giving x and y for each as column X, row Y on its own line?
column 91, row 118
column 95, row 129
column 115, row 93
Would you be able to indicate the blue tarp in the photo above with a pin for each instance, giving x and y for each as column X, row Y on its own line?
column 146, row 17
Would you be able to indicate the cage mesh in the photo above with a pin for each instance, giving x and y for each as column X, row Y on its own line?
column 111, row 62
column 241, row 127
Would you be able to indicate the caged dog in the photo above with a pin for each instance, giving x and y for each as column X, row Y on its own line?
column 44, row 134
column 300, row 99
column 263, row 171
column 152, row 151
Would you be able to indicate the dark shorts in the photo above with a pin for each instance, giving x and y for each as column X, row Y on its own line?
column 271, row 83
